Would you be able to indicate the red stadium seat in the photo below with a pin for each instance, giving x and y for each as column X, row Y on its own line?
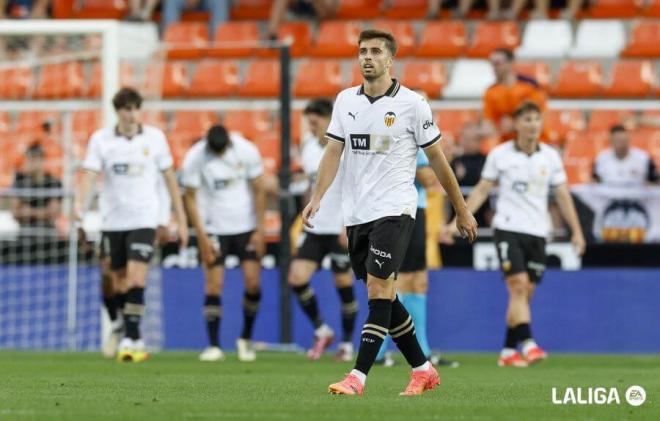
column 585, row 145
column 5, row 124
column 15, row 82
column 102, row 9
column 491, row 35
column 253, row 124
column 407, row 9
column 235, row 39
column 60, row 80
column 185, row 40
column 214, row 78
column 269, row 148
column 262, row 79
column 603, row 120
column 644, row 40
column 579, row 79
column 430, row 77
column 358, row 9
column 442, row 39
column 189, row 126
column 318, row 78
column 299, row 33
column 95, row 87
column 169, row 80
column 403, row 32
column 538, row 70
column 559, row 123
column 617, row 9
column 251, row 9
column 451, row 122
column 631, row 79
column 336, row 39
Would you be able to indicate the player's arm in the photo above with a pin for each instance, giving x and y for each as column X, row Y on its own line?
column 326, row 174
column 175, row 194
column 85, row 197
column 567, row 209
column 465, row 222
column 426, row 177
column 206, row 251
column 258, row 186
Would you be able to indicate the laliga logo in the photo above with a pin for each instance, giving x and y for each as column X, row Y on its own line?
column 635, row 396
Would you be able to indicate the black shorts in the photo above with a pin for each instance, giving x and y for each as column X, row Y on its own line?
column 415, row 258
column 123, row 246
column 237, row 245
column 377, row 247
column 521, row 253
column 315, row 247
column 104, row 247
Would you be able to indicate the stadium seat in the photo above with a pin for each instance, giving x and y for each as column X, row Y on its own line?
column 590, row 42
column 102, row 9
column 169, row 79
column 235, row 39
column 546, row 39
column 5, row 123
column 579, row 79
column 214, row 78
column 253, row 124
column 559, row 123
column 442, row 39
column 469, row 79
column 33, row 122
column 262, row 79
column 615, row 9
column 643, row 138
column 358, row 9
column 318, row 78
column 491, row 35
column 84, row 123
column 538, row 70
column 407, row 9
column 652, row 9
column 603, row 120
column 403, row 32
column 15, row 82
column 251, row 9
column 585, row 145
column 644, row 40
column 95, row 86
column 631, row 79
column 336, row 39
column 189, row 126
column 578, row 170
column 186, row 40
column 154, row 118
column 300, row 35
column 60, row 80
column 451, row 122
column 429, row 76
column 269, row 148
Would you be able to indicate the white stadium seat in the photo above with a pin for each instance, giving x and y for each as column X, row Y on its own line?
column 546, row 39
column 469, row 79
column 599, row 39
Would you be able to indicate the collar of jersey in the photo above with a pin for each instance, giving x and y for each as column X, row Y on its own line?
column 391, row 91
column 517, row 148
column 122, row 135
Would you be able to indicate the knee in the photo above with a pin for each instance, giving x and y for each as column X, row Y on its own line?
column 295, row 277
column 343, row 281
column 518, row 288
column 380, row 289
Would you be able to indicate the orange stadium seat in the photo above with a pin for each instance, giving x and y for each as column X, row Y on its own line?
column 251, row 9
column 190, row 126
column 644, row 139
column 154, row 118
column 631, row 79
column 559, row 123
column 253, row 124
column 652, row 9
column 169, row 80
column 269, row 148
column 403, row 32
column 407, row 9
column 644, row 40
column 318, row 78
column 60, row 80
column 579, row 79
column 451, row 122
column 15, row 82
column 618, row 9
column 33, row 122
column 299, row 33
column 262, row 79
column 214, row 78
column 442, row 39
column 585, row 145
column 296, row 126
column 235, row 39
column 336, row 39
column 491, row 35
column 95, row 87
column 186, row 40
column 538, row 70
column 102, row 9
column 578, row 171
column 603, row 120
column 429, row 76
column 358, row 9
column 84, row 123
column 5, row 123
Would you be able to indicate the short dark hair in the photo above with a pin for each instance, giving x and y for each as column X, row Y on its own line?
column 217, row 138
column 508, row 53
column 390, row 41
column 617, row 128
column 35, row 149
column 320, row 106
column 526, row 107
column 127, row 97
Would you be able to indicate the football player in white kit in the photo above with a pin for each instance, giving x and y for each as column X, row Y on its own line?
column 526, row 172
column 327, row 238
column 131, row 156
column 225, row 200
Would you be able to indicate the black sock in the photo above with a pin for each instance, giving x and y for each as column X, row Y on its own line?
column 133, row 311
column 402, row 331
column 307, row 300
column 213, row 313
column 511, row 340
column 121, row 302
column 523, row 332
column 349, row 309
column 110, row 304
column 373, row 333
column 250, row 309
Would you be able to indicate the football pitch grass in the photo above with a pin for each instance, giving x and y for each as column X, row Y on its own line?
column 84, row 386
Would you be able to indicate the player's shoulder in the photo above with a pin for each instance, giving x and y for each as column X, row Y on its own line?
column 348, row 94
column 150, row 130
column 242, row 145
column 103, row 133
column 549, row 150
column 638, row 153
column 503, row 148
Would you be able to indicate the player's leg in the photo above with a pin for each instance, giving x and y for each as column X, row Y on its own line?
column 349, row 309
column 110, row 302
column 213, row 283
column 535, row 257
column 251, row 267
column 118, row 261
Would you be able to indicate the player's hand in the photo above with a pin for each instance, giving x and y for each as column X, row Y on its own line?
column 162, row 234
column 207, row 252
column 578, row 242
column 258, row 243
column 310, row 211
column 466, row 225
column 182, row 234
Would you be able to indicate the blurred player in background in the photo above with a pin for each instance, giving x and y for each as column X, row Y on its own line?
column 131, row 156
column 228, row 217
column 382, row 125
column 527, row 172
column 327, row 238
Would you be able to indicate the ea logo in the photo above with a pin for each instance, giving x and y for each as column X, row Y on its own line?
column 635, row 395
column 389, row 118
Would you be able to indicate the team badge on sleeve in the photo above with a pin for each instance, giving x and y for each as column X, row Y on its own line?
column 389, row 118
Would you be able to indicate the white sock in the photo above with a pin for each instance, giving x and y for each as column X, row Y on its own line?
column 423, row 367
column 528, row 345
column 507, row 352
column 360, row 375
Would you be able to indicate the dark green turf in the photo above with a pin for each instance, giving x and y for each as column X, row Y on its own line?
column 285, row 386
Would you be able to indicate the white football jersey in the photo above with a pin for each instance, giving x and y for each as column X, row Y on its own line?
column 524, row 186
column 165, row 205
column 633, row 170
column 132, row 169
column 381, row 137
column 225, row 198
column 328, row 220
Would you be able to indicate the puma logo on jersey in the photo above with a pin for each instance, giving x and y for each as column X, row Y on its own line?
column 352, row 115
column 380, row 253
column 380, row 264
